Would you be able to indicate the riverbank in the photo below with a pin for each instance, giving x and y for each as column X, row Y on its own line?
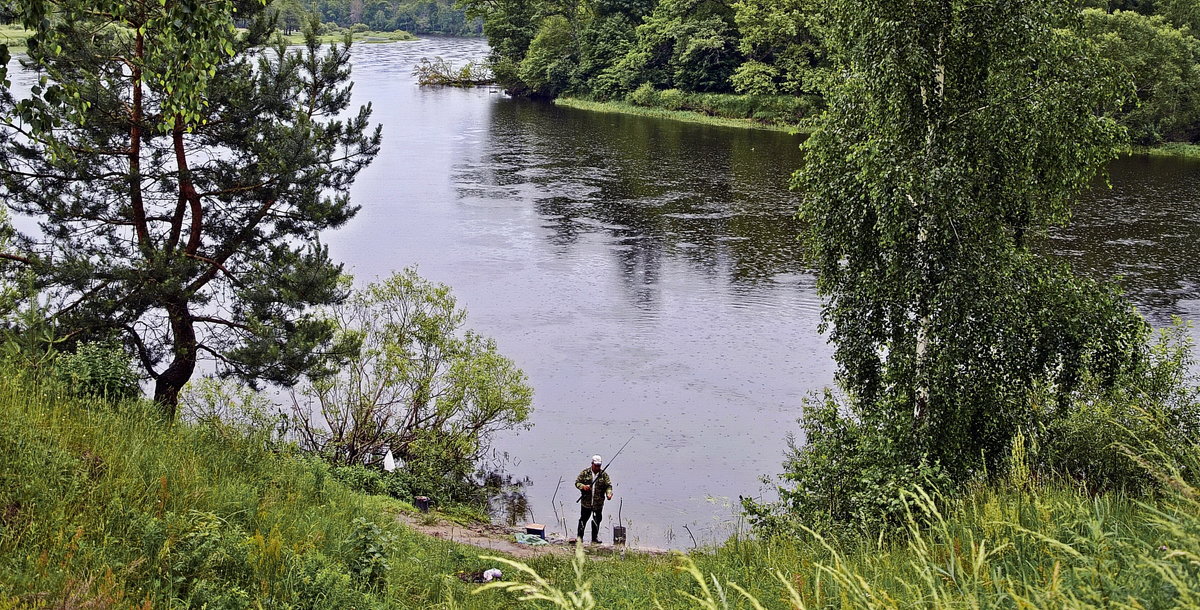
column 1179, row 150
column 14, row 37
column 102, row 505
column 713, row 117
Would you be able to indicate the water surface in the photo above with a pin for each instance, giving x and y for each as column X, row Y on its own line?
column 646, row 275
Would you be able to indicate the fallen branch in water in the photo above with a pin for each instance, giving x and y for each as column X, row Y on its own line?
column 439, row 72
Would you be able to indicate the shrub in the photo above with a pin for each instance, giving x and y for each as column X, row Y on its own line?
column 846, row 480
column 672, row 99
column 100, row 369
column 1102, row 438
column 360, row 478
column 644, row 95
column 370, row 546
column 755, row 78
column 415, row 382
column 231, row 406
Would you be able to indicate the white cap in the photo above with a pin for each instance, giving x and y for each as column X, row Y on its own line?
column 596, row 460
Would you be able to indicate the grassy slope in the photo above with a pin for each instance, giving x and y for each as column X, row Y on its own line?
column 14, row 37
column 106, row 506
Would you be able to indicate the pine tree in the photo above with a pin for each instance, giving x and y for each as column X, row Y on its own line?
column 182, row 173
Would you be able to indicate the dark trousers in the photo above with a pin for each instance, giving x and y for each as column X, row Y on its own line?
column 596, row 516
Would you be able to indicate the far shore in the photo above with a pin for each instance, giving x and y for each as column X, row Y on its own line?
column 1179, row 150
column 14, row 36
column 677, row 115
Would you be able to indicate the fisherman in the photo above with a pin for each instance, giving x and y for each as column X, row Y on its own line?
column 595, row 486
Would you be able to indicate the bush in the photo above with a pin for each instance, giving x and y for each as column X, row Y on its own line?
column 672, row 99
column 1103, row 439
column 360, row 478
column 847, row 480
column 99, row 369
column 415, row 383
column 644, row 95
column 232, row 407
column 370, row 546
column 755, row 78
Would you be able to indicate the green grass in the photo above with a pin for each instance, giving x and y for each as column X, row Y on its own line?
column 1179, row 150
column 13, row 36
column 675, row 115
column 105, row 506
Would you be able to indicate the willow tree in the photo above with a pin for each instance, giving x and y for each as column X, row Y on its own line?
column 957, row 132
column 181, row 174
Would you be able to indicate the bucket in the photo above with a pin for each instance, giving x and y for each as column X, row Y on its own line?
column 536, row 529
column 619, row 530
column 618, row 534
column 422, row 503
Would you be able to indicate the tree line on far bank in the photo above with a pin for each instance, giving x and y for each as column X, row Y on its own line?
column 631, row 49
column 441, row 17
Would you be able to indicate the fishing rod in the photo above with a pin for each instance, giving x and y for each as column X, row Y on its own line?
column 610, row 461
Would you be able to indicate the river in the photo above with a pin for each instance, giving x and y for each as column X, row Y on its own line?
column 646, row 275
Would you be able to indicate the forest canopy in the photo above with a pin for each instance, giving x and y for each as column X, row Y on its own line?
column 685, row 54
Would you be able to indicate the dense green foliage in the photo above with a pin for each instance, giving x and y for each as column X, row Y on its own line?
column 414, row 382
column 613, row 49
column 416, row 16
column 1162, row 62
column 957, row 134
column 101, row 506
column 181, row 199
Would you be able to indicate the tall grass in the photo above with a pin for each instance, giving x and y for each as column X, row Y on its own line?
column 14, row 36
column 1046, row 546
column 105, row 506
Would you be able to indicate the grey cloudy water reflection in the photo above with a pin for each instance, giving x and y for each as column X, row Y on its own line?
column 643, row 273
column 646, row 275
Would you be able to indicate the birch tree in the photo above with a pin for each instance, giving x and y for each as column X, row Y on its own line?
column 957, row 133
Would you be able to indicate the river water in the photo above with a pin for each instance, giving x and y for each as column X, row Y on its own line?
column 646, row 276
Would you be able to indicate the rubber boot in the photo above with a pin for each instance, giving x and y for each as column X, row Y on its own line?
column 595, row 532
column 581, row 524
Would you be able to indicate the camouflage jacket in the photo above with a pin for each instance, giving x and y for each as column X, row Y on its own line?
column 594, row 496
